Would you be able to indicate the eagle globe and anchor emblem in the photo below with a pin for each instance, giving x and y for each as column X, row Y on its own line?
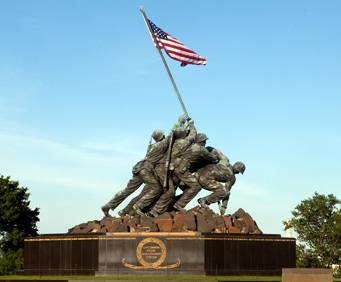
column 151, row 253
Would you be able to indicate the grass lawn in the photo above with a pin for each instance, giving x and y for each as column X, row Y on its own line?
column 160, row 278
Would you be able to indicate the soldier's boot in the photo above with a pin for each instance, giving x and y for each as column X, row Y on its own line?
column 119, row 197
column 105, row 209
column 138, row 210
column 164, row 201
column 152, row 213
column 202, row 202
column 186, row 197
column 179, row 208
column 122, row 213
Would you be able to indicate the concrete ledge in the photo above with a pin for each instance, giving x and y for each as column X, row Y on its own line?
column 307, row 275
column 140, row 280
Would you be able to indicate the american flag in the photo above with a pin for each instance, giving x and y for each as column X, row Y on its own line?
column 175, row 49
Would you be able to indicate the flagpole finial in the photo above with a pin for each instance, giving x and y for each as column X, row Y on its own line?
column 141, row 8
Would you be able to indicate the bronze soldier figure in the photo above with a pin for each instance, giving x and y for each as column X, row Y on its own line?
column 218, row 178
column 143, row 171
column 179, row 160
column 183, row 164
column 151, row 194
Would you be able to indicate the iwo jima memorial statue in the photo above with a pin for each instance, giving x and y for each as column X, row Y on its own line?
column 154, row 234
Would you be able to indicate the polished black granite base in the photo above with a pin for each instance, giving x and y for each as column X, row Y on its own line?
column 158, row 254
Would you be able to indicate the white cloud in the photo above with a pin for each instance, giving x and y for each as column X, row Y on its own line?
column 117, row 147
column 45, row 161
column 252, row 190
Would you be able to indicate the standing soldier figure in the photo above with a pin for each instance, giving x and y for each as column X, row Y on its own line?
column 151, row 195
column 184, row 137
column 144, row 171
column 186, row 156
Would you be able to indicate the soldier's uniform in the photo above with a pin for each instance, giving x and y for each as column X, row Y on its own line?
column 217, row 178
column 143, row 172
column 183, row 165
column 129, row 208
column 157, row 158
column 167, row 197
column 187, row 157
column 180, row 144
column 223, row 160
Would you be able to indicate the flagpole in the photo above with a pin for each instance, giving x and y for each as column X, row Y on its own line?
column 164, row 61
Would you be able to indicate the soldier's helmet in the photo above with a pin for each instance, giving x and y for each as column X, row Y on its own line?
column 182, row 119
column 201, row 137
column 180, row 132
column 239, row 167
column 158, row 135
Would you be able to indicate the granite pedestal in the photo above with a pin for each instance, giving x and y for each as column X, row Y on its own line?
column 158, row 254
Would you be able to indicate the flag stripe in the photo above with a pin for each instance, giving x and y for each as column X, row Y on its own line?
column 185, row 60
column 170, row 38
column 183, row 53
column 177, row 45
column 179, row 54
column 174, row 48
column 183, row 57
column 171, row 46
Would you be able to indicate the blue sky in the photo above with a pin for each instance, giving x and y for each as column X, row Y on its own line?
column 82, row 88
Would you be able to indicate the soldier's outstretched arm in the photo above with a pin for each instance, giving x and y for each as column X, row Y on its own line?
column 180, row 123
column 208, row 156
column 222, row 158
column 192, row 131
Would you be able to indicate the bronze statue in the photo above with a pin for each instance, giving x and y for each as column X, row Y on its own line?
column 179, row 160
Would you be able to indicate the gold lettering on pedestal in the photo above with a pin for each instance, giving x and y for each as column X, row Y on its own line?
column 151, row 253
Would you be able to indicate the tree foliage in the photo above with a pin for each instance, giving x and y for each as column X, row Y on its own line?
column 317, row 222
column 17, row 220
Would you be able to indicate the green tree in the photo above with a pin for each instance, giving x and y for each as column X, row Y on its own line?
column 17, row 220
column 317, row 222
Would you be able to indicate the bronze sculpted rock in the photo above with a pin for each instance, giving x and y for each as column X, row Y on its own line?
column 197, row 219
column 178, row 161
